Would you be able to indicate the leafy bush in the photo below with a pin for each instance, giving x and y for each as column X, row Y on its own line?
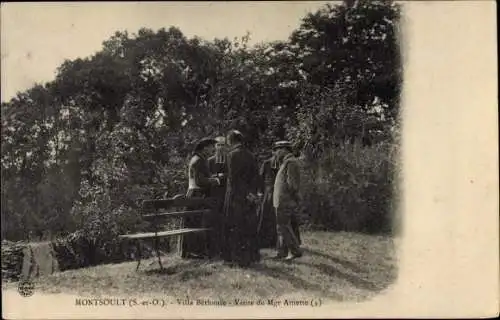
column 99, row 225
column 351, row 188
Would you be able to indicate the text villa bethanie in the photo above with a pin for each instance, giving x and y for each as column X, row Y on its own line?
column 245, row 302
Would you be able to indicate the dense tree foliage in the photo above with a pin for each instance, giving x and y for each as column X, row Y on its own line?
column 80, row 152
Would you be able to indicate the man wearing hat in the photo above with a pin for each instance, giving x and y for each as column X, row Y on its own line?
column 241, row 246
column 279, row 145
column 286, row 200
column 199, row 183
column 216, row 163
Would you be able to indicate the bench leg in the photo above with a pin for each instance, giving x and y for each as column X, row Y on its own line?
column 139, row 255
column 158, row 253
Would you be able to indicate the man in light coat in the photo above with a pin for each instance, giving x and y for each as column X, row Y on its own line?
column 285, row 202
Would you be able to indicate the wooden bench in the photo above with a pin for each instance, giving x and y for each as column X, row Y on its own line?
column 204, row 206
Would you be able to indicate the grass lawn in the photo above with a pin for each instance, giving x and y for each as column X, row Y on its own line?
column 342, row 266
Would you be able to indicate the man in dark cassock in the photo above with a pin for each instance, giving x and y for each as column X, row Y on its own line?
column 217, row 168
column 266, row 228
column 241, row 246
column 195, row 245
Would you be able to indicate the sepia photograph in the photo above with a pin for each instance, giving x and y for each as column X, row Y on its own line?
column 183, row 155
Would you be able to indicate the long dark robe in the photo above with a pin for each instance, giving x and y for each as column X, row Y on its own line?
column 194, row 245
column 218, row 192
column 294, row 221
column 266, row 229
column 214, row 167
column 240, row 212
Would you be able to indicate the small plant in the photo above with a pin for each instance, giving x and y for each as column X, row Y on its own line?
column 12, row 259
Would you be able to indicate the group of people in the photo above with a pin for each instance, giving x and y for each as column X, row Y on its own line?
column 257, row 206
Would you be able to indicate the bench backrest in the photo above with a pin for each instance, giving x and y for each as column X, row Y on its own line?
column 154, row 205
column 187, row 206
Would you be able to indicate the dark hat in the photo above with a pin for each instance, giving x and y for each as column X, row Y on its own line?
column 203, row 143
column 235, row 135
column 282, row 144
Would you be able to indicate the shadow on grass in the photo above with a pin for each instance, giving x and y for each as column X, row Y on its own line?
column 354, row 274
column 297, row 282
column 342, row 262
column 191, row 269
column 333, row 272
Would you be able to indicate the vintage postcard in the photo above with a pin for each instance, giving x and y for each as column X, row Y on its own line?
column 285, row 159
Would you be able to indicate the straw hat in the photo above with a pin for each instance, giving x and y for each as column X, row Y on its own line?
column 220, row 140
column 282, row 144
